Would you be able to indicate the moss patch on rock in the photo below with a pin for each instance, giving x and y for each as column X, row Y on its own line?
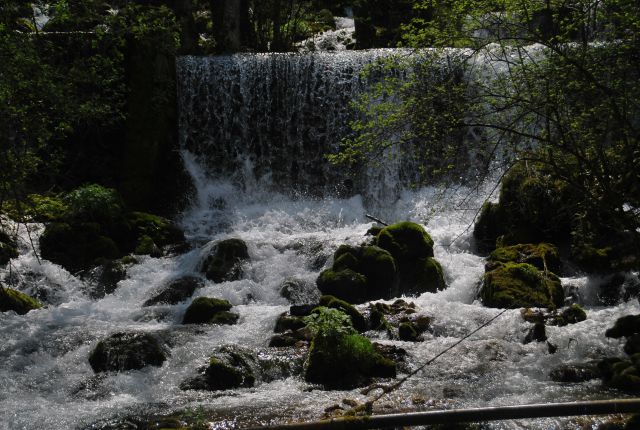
column 517, row 285
column 346, row 284
column 20, row 303
column 8, row 248
column 544, row 256
column 358, row 321
column 230, row 367
column 406, row 241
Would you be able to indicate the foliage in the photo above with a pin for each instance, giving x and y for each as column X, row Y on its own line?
column 94, row 202
column 329, row 322
column 552, row 84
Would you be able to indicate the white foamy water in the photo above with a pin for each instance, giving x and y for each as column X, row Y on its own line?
column 46, row 380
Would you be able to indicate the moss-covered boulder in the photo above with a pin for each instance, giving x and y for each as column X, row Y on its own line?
column 621, row 374
column 406, row 241
column 20, row 303
column 339, row 361
column 161, row 230
column 77, row 246
column 570, row 315
column 146, row 246
column 544, row 256
column 127, row 351
column 517, row 285
column 8, row 248
column 207, row 310
column 346, row 284
column 224, row 261
column 230, row 367
column 625, row 327
column 176, row 291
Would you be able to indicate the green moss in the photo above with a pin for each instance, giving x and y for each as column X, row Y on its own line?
column 517, row 285
column 223, row 264
column 406, row 241
column 205, row 310
column 37, row 208
column 571, row 315
column 12, row 300
column 345, row 284
column 544, row 256
column 231, row 367
column 379, row 267
column 358, row 321
column 407, row 331
column 161, row 230
column 344, row 361
column 224, row 318
column 146, row 246
column 346, row 260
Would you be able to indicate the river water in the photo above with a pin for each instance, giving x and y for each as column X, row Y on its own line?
column 46, row 380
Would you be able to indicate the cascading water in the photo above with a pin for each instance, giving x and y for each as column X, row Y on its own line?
column 234, row 152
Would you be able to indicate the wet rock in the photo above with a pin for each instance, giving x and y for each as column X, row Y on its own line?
column 8, row 248
column 633, row 344
column 299, row 292
column 230, row 367
column 225, row 260
column 146, row 246
column 575, row 373
column 283, row 340
column 621, row 374
column 624, row 327
column 346, row 284
column 412, row 250
column 287, row 322
column 207, row 310
column 517, row 285
column 302, row 310
column 543, row 256
column 127, row 351
column 570, row 315
column 176, row 291
column 103, row 280
column 537, row 333
column 408, row 332
column 20, row 303
column 160, row 230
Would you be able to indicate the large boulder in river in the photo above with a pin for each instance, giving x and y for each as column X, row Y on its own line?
column 412, row 249
column 340, row 360
column 359, row 274
column 13, row 300
column 176, row 291
column 207, row 310
column 127, row 351
column 625, row 326
column 224, row 261
column 518, row 285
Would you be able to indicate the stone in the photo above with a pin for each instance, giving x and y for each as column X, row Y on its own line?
column 207, row 310
column 176, row 291
column 518, row 285
column 299, row 292
column 127, row 351
column 146, row 246
column 575, row 373
column 625, row 327
column 346, row 284
column 225, row 259
column 406, row 241
column 8, row 248
column 104, row 279
column 20, row 303
column 230, row 367
column 632, row 346
column 358, row 321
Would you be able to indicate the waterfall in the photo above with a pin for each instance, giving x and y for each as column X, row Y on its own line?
column 254, row 131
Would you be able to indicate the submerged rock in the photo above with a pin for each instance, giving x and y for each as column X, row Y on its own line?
column 224, row 261
column 537, row 333
column 127, row 351
column 176, row 291
column 103, row 280
column 517, row 285
column 20, row 303
column 207, row 310
column 299, row 292
column 575, row 372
